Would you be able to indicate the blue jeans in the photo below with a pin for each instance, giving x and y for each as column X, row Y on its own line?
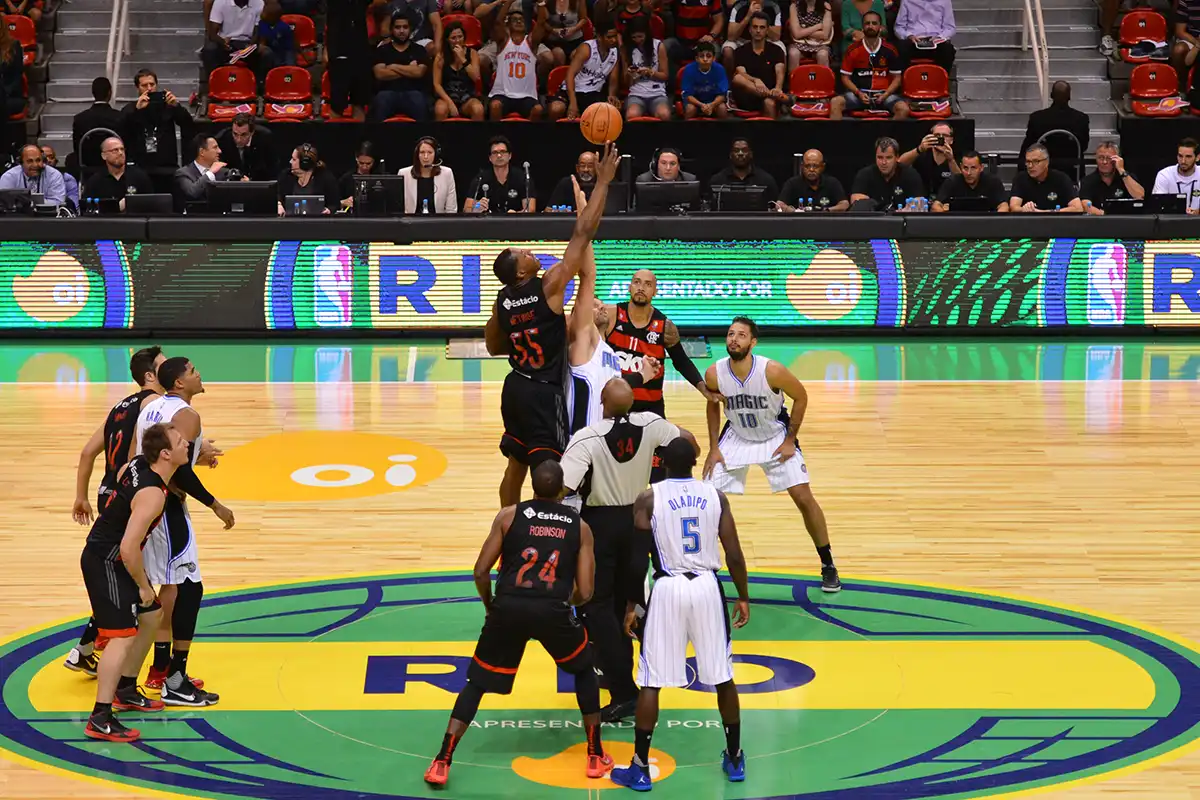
column 391, row 102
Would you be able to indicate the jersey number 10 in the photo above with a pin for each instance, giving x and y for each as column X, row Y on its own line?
column 748, row 420
column 691, row 534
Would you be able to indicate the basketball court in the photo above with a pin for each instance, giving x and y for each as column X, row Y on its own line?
column 1015, row 522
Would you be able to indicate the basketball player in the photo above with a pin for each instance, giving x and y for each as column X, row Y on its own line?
column 546, row 565
column 759, row 430
column 172, row 558
column 123, row 601
column 609, row 464
column 527, row 323
column 679, row 521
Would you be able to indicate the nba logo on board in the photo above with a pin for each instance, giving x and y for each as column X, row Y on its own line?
column 333, row 281
column 1106, row 284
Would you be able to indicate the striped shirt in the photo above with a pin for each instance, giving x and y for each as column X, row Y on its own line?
column 614, row 456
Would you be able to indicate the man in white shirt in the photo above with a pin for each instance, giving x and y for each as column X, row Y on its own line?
column 33, row 174
column 1182, row 178
column 232, row 32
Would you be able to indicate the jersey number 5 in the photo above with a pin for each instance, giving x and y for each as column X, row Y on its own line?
column 548, row 573
column 691, row 534
column 527, row 350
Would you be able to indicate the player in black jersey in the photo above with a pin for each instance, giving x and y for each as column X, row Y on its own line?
column 546, row 564
column 528, row 325
column 123, row 601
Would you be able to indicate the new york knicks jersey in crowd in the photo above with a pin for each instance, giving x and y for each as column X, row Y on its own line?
column 516, row 71
column 104, row 539
column 540, row 551
column 686, row 526
column 587, row 381
column 120, row 430
column 753, row 410
column 537, row 337
column 163, row 410
column 631, row 343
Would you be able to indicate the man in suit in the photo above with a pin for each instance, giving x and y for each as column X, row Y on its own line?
column 190, row 183
column 100, row 114
column 1059, row 116
column 249, row 149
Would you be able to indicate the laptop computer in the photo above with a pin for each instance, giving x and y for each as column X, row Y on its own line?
column 1167, row 203
column 1125, row 206
column 971, row 205
column 149, row 205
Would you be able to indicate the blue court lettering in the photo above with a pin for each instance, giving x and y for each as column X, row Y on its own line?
column 390, row 675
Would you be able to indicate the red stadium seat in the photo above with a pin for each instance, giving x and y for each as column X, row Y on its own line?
column 288, row 95
column 658, row 28
column 1141, row 25
column 23, row 31
column 926, row 87
column 643, row 119
column 471, row 27
column 555, row 81
column 231, row 90
column 305, row 35
column 588, row 30
column 1152, row 87
column 399, row 118
column 752, row 116
column 814, row 86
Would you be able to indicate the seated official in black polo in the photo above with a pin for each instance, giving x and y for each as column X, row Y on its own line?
column 1040, row 189
column 812, row 189
column 742, row 171
column 562, row 199
column 972, row 181
column 1109, row 181
column 118, row 179
column 500, row 188
column 249, row 149
column 887, row 182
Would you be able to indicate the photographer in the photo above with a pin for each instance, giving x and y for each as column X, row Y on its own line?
column 933, row 158
column 150, row 124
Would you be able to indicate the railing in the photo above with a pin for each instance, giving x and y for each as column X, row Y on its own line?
column 118, row 41
column 1033, row 34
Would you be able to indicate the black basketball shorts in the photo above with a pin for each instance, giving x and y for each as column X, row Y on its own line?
column 116, row 601
column 511, row 623
column 535, row 420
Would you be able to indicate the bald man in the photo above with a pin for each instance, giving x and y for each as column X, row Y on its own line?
column 812, row 189
column 118, row 179
column 33, row 175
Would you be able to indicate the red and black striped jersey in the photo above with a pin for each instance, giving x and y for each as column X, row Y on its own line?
column 631, row 343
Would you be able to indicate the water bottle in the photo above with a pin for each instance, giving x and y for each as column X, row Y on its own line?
column 425, row 206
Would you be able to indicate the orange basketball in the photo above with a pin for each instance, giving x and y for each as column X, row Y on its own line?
column 600, row 123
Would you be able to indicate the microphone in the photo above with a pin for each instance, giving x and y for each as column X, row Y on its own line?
column 526, row 166
column 482, row 191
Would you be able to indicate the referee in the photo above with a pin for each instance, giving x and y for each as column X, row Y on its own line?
column 609, row 465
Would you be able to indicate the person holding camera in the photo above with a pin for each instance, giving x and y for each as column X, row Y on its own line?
column 933, row 158
column 150, row 124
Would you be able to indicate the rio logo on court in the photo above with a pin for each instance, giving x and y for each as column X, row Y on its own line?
column 341, row 689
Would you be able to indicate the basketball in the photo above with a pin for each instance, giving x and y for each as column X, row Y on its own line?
column 601, row 123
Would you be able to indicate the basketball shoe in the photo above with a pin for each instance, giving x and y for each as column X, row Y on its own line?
column 81, row 663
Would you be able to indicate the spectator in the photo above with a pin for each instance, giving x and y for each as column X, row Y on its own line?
column 933, row 158
column 592, row 77
column 249, row 149
column 365, row 163
column 665, row 167
column 348, row 55
column 563, row 196
column 886, row 185
column 307, row 175
column 738, row 31
column 150, row 124
column 705, row 85
column 515, row 90
column 401, row 68
column 118, row 179
column 1059, row 116
column 870, row 73
column 100, row 114
column 426, row 22
column 32, row 174
column 566, row 20
column 623, row 11
column 853, row 13
column 924, row 29
column 810, row 24
column 742, row 171
column 1109, row 181
column 812, row 189
column 644, row 60
column 1187, row 34
column 50, row 158
column 760, row 72
column 696, row 21
column 190, row 183
column 429, row 186
column 1182, row 178
column 232, row 33
column 493, row 18
column 26, row 8
column 12, row 67
column 456, row 77
column 276, row 35
column 971, row 181
column 448, row 7
column 1040, row 188
column 496, row 189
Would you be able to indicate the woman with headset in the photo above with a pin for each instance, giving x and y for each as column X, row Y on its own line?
column 307, row 175
column 429, row 186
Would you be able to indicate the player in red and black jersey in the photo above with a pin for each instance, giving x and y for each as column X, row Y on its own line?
column 546, row 565
column 527, row 324
column 871, row 71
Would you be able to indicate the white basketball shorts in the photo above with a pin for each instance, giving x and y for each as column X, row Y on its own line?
column 781, row 475
column 685, row 610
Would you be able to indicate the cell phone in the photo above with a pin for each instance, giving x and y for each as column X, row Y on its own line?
column 941, row 139
column 158, row 98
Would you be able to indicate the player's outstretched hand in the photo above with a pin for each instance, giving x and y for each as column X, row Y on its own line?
column 709, row 394
column 223, row 514
column 208, row 453
column 785, row 450
column 81, row 512
column 630, row 622
column 741, row 613
column 606, row 170
column 710, row 463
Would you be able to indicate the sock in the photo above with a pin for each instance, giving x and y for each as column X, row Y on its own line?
column 126, row 683
column 178, row 662
column 86, row 650
column 102, row 710
column 89, row 637
column 449, row 742
column 733, row 739
column 594, row 745
column 826, row 554
column 162, row 656
column 641, row 747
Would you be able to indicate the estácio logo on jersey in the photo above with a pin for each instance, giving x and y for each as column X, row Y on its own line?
column 530, row 514
column 510, row 304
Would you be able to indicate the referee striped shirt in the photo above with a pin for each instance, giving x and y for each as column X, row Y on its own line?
column 618, row 454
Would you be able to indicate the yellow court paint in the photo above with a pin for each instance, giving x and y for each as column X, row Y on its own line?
column 320, row 676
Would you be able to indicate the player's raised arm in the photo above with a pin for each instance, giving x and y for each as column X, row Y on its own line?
column 713, row 418
column 582, row 326
column 585, row 566
column 781, row 379
column 555, row 280
column 685, row 366
column 735, row 562
column 489, row 554
column 81, row 512
column 146, row 507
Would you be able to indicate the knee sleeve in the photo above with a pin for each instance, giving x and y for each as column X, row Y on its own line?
column 187, row 610
column 587, row 692
column 467, row 704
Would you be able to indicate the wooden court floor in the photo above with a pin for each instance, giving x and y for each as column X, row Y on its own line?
column 1070, row 493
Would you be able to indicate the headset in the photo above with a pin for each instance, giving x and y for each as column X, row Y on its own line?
column 432, row 142
column 307, row 157
column 658, row 154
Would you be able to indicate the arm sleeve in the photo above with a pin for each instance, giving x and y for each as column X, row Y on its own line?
column 575, row 461
column 187, row 479
column 683, row 363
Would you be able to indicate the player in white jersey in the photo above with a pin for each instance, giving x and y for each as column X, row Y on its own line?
column 515, row 85
column 170, row 554
column 680, row 521
column 759, row 430
column 592, row 76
